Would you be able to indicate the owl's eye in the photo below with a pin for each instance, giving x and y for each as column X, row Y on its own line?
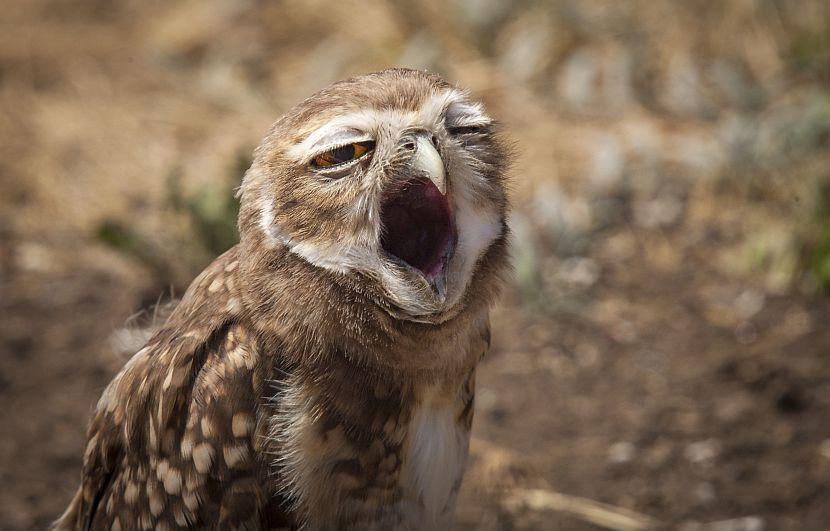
column 459, row 130
column 342, row 154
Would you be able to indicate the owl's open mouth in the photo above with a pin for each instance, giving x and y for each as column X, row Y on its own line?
column 419, row 229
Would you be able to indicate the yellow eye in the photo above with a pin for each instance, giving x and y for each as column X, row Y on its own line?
column 342, row 154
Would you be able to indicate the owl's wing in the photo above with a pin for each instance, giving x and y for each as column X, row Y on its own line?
column 175, row 437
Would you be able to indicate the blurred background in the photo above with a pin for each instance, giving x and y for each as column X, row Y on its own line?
column 662, row 357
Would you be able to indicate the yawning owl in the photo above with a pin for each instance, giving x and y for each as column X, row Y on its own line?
column 321, row 373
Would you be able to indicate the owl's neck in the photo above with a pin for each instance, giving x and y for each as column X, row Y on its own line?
column 315, row 313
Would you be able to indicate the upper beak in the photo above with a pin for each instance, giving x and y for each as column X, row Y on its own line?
column 428, row 162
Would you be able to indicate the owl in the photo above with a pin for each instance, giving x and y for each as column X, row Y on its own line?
column 321, row 373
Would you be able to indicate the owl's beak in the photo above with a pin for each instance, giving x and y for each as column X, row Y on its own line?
column 428, row 162
column 418, row 224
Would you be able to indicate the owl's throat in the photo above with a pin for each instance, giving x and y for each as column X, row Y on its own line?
column 419, row 229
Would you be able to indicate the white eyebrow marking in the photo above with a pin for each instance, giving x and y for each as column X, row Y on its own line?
column 464, row 114
column 335, row 137
column 352, row 127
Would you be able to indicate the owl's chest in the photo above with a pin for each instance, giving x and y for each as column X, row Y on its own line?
column 434, row 457
column 396, row 464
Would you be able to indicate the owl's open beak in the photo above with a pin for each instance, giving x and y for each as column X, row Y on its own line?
column 418, row 223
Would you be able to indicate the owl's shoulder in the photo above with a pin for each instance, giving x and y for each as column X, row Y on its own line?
column 181, row 419
column 200, row 335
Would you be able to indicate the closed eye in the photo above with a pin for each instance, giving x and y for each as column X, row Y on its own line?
column 342, row 155
column 467, row 130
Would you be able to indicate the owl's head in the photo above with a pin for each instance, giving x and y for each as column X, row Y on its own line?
column 394, row 178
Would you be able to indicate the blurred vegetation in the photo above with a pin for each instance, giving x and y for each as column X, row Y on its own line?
column 816, row 240
column 202, row 226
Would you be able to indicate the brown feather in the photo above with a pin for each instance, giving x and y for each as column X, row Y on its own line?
column 279, row 392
